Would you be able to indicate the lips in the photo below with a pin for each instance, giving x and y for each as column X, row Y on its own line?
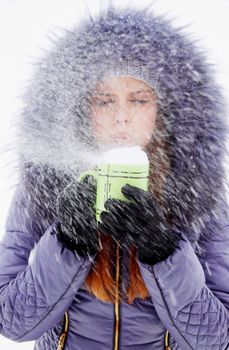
column 122, row 139
column 121, row 136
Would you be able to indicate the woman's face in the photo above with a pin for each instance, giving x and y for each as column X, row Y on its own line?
column 123, row 112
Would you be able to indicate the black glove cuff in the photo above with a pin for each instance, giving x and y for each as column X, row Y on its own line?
column 81, row 249
column 159, row 252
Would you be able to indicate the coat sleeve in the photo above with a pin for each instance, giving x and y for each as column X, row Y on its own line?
column 191, row 296
column 38, row 278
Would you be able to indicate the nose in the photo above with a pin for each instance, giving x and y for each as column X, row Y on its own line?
column 122, row 116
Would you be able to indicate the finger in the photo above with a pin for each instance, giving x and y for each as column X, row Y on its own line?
column 124, row 212
column 114, row 222
column 91, row 196
column 87, row 192
column 109, row 218
column 116, row 205
column 103, row 216
column 137, row 194
column 110, row 230
column 89, row 179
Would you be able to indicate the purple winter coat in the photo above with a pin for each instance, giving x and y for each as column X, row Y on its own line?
column 41, row 282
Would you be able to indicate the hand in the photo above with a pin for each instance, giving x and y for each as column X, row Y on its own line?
column 142, row 223
column 77, row 226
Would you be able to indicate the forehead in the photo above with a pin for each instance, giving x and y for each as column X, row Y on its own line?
column 118, row 84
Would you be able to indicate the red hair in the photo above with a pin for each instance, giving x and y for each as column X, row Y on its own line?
column 101, row 279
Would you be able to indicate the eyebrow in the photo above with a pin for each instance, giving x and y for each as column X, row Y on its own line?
column 131, row 92
column 140, row 91
column 104, row 94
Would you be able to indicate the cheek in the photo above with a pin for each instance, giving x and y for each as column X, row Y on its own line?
column 144, row 127
column 147, row 121
column 100, row 124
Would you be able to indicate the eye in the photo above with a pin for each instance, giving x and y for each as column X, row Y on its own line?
column 142, row 102
column 103, row 103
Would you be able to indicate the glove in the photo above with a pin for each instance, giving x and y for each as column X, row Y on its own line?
column 76, row 222
column 141, row 223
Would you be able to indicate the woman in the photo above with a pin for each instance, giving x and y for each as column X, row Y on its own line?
column 154, row 274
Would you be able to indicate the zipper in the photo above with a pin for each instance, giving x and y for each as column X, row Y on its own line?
column 117, row 300
column 63, row 336
column 117, row 306
column 167, row 341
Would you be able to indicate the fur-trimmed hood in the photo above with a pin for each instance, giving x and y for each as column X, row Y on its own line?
column 54, row 127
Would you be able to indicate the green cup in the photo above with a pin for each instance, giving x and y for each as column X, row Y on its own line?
column 111, row 177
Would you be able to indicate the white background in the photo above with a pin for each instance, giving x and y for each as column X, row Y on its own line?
column 24, row 29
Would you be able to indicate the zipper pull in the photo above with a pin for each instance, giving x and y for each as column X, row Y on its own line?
column 167, row 341
column 61, row 341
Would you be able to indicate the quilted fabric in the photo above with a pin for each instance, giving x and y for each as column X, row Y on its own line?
column 31, row 280
column 201, row 319
column 196, row 315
